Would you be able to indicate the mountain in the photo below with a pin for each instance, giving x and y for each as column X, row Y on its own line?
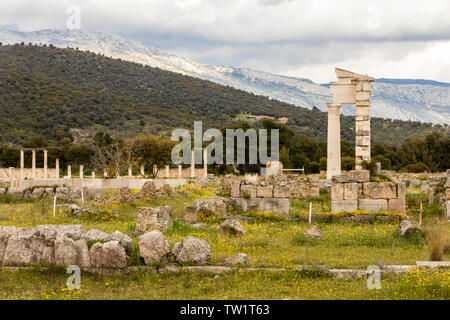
column 69, row 93
column 416, row 100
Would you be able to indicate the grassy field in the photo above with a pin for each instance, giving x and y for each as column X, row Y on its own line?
column 269, row 242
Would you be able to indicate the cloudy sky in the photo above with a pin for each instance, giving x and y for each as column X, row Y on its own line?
column 301, row 38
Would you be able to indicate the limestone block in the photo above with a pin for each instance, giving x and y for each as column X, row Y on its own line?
column 264, row 191
column 281, row 192
column 248, row 190
column 274, row 205
column 397, row 205
column 359, row 175
column 154, row 248
column 108, row 255
column 344, row 205
column 235, row 189
column 401, row 190
column 447, row 209
column 379, row 190
column 351, row 191
column 337, row 191
column 191, row 214
column 362, row 95
column 373, row 205
column 69, row 252
column 149, row 219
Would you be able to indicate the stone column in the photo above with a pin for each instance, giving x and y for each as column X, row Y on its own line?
column 362, row 136
column 81, row 172
column 205, row 163
column 22, row 164
column 45, row 164
column 93, row 174
column 167, row 172
column 180, row 171
column 130, row 172
column 69, row 171
column 142, row 170
column 33, row 164
column 193, row 164
column 105, row 173
column 57, row 169
column 334, row 140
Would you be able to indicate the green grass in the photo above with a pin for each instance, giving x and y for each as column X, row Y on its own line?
column 292, row 285
column 268, row 242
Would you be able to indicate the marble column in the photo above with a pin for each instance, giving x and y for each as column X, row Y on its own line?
column 142, row 170
column 334, row 141
column 33, row 164
column 130, row 172
column 57, row 169
column 167, row 172
column 93, row 175
column 193, row 164
column 81, row 172
column 45, row 164
column 22, row 164
column 205, row 163
column 69, row 172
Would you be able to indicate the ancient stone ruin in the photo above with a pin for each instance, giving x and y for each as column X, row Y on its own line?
column 356, row 192
column 351, row 88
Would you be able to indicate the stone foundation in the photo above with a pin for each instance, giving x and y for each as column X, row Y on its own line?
column 275, row 186
column 356, row 192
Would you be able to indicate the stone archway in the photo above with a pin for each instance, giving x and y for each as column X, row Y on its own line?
column 351, row 88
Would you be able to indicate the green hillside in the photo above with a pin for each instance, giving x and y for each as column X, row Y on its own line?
column 50, row 91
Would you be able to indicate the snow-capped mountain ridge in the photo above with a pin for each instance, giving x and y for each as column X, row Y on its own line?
column 404, row 99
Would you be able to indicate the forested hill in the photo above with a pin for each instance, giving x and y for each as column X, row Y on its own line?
column 51, row 91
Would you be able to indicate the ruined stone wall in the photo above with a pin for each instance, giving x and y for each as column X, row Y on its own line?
column 356, row 192
column 276, row 186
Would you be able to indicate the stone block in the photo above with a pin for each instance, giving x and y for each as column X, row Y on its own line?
column 337, row 191
column 344, row 205
column 274, row 205
column 235, row 189
column 351, row 191
column 191, row 214
column 447, row 208
column 401, row 190
column 248, row 190
column 281, row 192
column 359, row 175
column 397, row 205
column 157, row 218
column 264, row 191
column 373, row 205
column 379, row 190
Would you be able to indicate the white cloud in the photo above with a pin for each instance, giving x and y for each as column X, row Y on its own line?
column 303, row 38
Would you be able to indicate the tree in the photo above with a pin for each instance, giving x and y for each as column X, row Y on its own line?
column 150, row 151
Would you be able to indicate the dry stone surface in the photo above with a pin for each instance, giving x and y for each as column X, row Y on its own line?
column 108, row 255
column 154, row 248
column 191, row 250
column 157, row 218
column 232, row 227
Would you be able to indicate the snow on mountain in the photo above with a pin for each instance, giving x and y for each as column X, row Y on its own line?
column 417, row 100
